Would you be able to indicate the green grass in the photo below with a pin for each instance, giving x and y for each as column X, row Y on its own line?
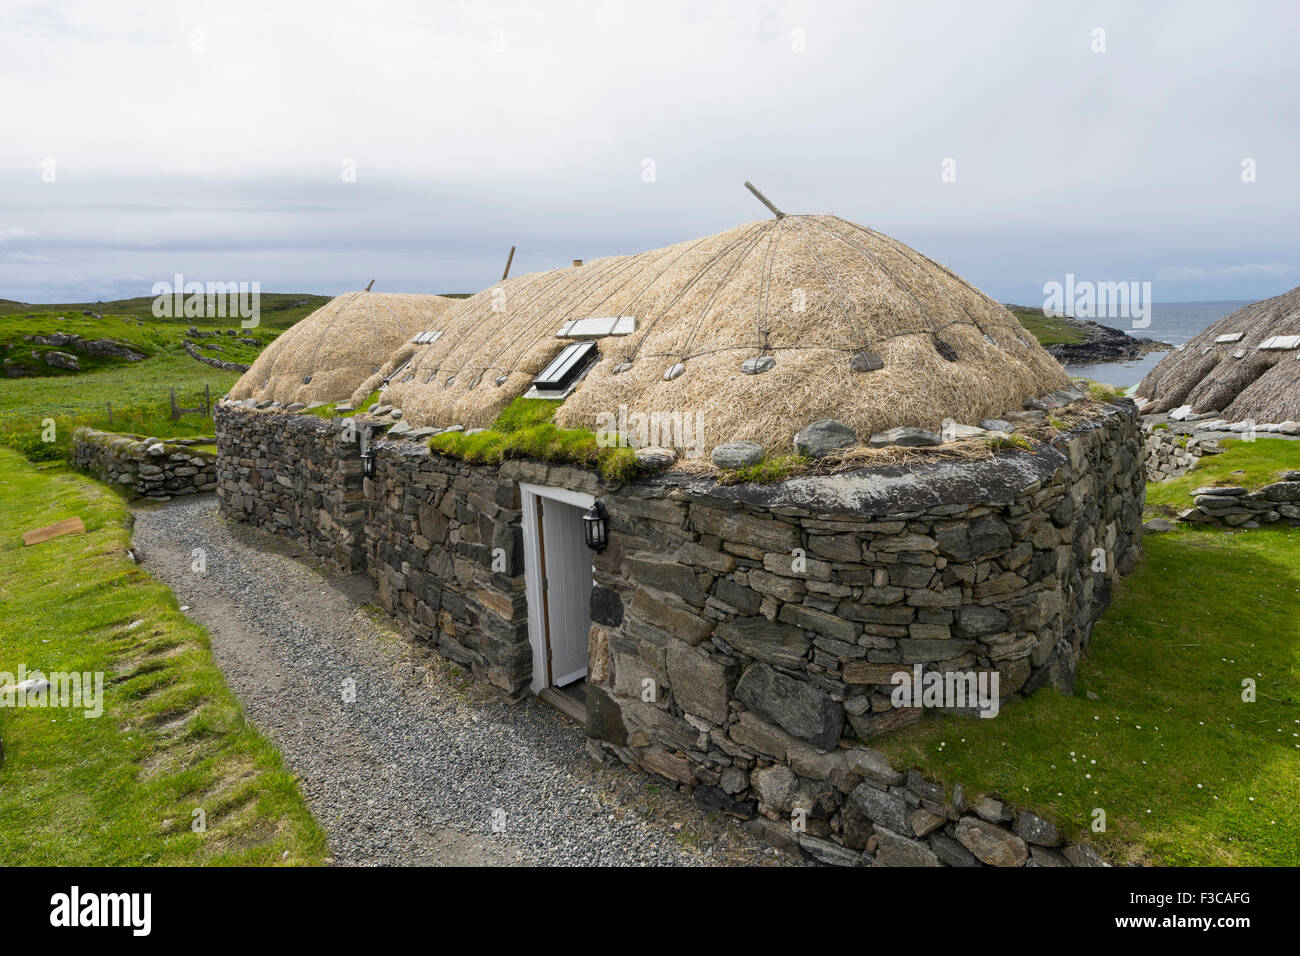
column 1186, row 772
column 524, row 430
column 120, row 790
column 137, row 391
column 766, row 472
column 1049, row 330
column 1249, row 464
column 330, row 409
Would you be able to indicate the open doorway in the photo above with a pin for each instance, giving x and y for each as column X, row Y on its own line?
column 558, row 577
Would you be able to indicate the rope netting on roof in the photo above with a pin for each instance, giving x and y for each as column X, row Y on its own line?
column 797, row 292
column 325, row 356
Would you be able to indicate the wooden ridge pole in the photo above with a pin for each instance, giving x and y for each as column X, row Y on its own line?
column 764, row 200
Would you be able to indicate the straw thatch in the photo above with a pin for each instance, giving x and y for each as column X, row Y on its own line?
column 1260, row 386
column 325, row 356
column 807, row 291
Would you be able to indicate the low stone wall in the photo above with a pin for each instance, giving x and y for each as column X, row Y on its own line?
column 1237, row 507
column 192, row 350
column 745, row 637
column 152, row 468
column 1172, row 455
column 299, row 476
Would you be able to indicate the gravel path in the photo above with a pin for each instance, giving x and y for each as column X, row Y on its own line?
column 422, row 764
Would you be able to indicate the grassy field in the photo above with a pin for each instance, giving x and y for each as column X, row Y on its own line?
column 1248, row 464
column 122, row 789
column 1048, row 330
column 1158, row 735
column 137, row 391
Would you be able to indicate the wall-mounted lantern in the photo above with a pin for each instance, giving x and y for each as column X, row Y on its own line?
column 367, row 453
column 595, row 524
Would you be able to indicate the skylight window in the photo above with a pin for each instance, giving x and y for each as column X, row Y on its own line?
column 558, row 378
column 1229, row 338
column 597, row 328
column 1280, row 343
column 427, row 337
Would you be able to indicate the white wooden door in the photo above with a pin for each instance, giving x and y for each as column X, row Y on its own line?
column 567, row 563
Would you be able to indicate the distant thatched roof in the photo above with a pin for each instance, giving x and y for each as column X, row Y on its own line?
column 808, row 292
column 1235, row 377
column 327, row 355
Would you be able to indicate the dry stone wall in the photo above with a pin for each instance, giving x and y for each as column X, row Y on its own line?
column 745, row 638
column 150, row 467
column 299, row 476
column 1172, row 455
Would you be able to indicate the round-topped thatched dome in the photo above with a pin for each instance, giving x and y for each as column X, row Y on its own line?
column 755, row 332
column 1245, row 366
column 330, row 353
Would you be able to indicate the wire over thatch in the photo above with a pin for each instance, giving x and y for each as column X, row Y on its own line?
column 857, row 327
column 1236, row 378
column 327, row 355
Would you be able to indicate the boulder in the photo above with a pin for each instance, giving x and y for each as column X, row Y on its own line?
column 737, row 454
column 655, row 458
column 63, row 360
column 797, row 706
column 990, row 843
column 823, row 438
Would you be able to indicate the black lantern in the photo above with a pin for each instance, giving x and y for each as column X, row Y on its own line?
column 595, row 525
column 367, row 454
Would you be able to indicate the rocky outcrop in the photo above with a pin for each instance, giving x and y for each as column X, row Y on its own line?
column 192, row 351
column 148, row 467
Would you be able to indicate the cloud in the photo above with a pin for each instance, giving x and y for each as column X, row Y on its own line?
column 1253, row 270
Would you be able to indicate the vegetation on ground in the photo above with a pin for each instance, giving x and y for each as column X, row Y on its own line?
column 1248, row 464
column 1157, row 735
column 123, row 789
column 1048, row 329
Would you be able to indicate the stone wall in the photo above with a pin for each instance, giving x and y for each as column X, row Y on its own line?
column 299, row 476
column 1238, row 507
column 1170, row 454
column 744, row 637
column 152, row 468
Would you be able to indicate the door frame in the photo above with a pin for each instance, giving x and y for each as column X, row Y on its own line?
column 528, row 496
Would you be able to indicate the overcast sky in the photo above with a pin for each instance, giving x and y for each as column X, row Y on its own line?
column 314, row 146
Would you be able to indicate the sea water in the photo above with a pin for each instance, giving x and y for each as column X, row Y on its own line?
column 1172, row 322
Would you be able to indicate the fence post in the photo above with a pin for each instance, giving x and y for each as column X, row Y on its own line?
column 176, row 415
column 207, row 401
column 110, row 412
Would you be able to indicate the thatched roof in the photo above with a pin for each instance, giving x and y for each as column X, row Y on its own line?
column 808, row 292
column 1235, row 377
column 327, row 355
